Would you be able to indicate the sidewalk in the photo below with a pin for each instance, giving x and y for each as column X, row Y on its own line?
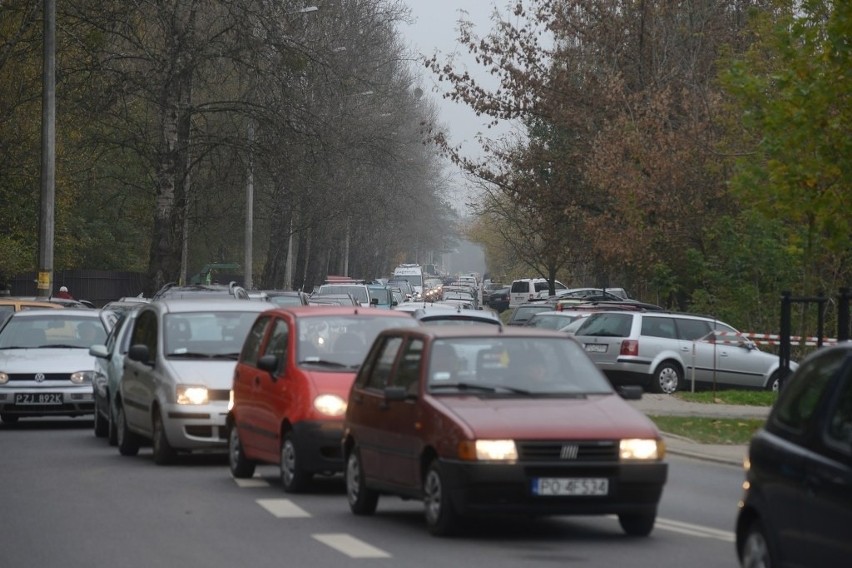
column 666, row 405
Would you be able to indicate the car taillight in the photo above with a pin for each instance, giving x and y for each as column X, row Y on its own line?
column 629, row 347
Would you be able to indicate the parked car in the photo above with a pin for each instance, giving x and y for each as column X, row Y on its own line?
column 109, row 368
column 175, row 390
column 291, row 386
column 524, row 312
column 549, row 319
column 483, row 420
column 662, row 350
column 797, row 506
column 45, row 366
column 525, row 289
column 9, row 306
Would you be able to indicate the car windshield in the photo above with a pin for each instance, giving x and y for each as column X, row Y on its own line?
column 606, row 325
column 358, row 292
column 533, row 365
column 206, row 334
column 550, row 321
column 53, row 329
column 341, row 341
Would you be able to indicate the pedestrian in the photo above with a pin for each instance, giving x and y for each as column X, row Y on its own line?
column 64, row 293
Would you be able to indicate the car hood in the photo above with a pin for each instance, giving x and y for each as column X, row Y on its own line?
column 215, row 374
column 598, row 416
column 46, row 360
column 338, row 383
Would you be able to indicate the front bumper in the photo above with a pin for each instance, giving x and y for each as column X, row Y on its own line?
column 477, row 488
column 47, row 400
column 318, row 445
column 196, row 427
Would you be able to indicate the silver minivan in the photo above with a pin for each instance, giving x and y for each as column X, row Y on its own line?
column 665, row 352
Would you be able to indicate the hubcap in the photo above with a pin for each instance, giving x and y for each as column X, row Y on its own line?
column 353, row 478
column 234, row 454
column 288, row 462
column 755, row 552
column 120, row 420
column 668, row 380
column 432, row 497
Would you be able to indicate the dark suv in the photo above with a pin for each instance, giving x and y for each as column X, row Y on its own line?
column 797, row 507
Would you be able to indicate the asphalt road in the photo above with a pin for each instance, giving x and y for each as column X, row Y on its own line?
column 70, row 500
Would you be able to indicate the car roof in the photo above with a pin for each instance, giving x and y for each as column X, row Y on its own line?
column 484, row 330
column 333, row 310
column 209, row 304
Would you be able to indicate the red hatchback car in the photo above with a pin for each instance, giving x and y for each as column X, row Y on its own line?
column 476, row 420
column 291, row 384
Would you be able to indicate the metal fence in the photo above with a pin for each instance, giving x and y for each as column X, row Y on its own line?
column 97, row 286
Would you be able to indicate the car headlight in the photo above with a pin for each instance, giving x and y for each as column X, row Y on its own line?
column 330, row 405
column 230, row 400
column 488, row 450
column 81, row 377
column 4, row 378
column 191, row 394
column 641, row 449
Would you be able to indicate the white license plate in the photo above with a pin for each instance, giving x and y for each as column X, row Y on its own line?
column 596, row 347
column 38, row 398
column 570, row 486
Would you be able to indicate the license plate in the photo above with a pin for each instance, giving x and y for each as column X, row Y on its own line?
column 38, row 398
column 570, row 487
column 596, row 347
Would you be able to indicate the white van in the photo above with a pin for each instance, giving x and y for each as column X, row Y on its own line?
column 527, row 289
column 414, row 274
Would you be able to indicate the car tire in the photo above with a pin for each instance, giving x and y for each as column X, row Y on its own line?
column 441, row 518
column 101, row 424
column 127, row 442
column 667, row 378
column 294, row 479
column 637, row 524
column 164, row 454
column 112, row 431
column 756, row 550
column 774, row 383
column 8, row 418
column 241, row 467
column 362, row 500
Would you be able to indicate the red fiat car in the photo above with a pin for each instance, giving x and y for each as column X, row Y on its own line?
column 291, row 384
column 476, row 420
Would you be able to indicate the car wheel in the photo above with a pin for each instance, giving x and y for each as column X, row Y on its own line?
column 241, row 467
column 164, row 454
column 756, row 552
column 666, row 379
column 441, row 519
column 637, row 524
column 127, row 442
column 101, row 425
column 8, row 418
column 362, row 501
column 293, row 478
column 112, row 431
column 774, row 383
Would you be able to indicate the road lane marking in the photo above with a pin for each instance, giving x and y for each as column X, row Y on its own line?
column 253, row 482
column 694, row 530
column 351, row 546
column 283, row 508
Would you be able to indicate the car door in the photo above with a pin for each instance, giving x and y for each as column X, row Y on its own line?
column 399, row 434
column 246, row 388
column 699, row 357
column 738, row 361
column 367, row 414
column 137, row 384
column 276, row 393
column 827, row 516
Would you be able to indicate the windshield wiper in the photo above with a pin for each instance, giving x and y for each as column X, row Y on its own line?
column 324, row 363
column 461, row 386
column 191, row 355
column 231, row 356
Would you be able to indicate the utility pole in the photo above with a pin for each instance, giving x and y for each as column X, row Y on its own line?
column 48, row 153
column 247, row 282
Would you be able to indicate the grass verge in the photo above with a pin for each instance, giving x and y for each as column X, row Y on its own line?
column 745, row 397
column 704, row 430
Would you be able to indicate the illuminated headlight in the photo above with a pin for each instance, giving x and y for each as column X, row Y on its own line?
column 641, row 449
column 330, row 405
column 4, row 378
column 488, row 450
column 81, row 377
column 190, row 394
column 231, row 400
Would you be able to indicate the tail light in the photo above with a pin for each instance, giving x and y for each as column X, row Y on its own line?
column 629, row 347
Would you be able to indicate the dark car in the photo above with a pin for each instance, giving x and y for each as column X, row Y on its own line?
column 483, row 420
column 524, row 312
column 797, row 507
column 498, row 299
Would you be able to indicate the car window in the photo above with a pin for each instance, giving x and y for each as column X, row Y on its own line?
column 607, row 325
column 278, row 343
column 659, row 327
column 692, row 329
column 409, row 366
column 839, row 431
column 251, row 348
column 520, row 287
column 381, row 371
column 145, row 331
column 800, row 397
column 539, row 286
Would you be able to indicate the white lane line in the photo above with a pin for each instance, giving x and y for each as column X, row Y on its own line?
column 253, row 482
column 351, row 546
column 283, row 508
column 694, row 530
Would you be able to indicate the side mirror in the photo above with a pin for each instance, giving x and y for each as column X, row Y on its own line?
column 268, row 363
column 630, row 392
column 374, row 302
column 395, row 393
column 139, row 352
column 99, row 351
